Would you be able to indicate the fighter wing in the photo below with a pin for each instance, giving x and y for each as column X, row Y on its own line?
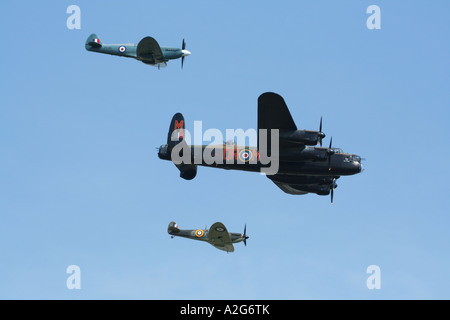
column 149, row 51
column 219, row 237
column 288, row 188
column 273, row 113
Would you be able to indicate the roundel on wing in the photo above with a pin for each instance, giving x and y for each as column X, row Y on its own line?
column 199, row 233
column 122, row 49
column 220, row 229
column 245, row 155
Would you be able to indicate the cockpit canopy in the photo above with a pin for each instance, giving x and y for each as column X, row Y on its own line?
column 337, row 150
column 352, row 157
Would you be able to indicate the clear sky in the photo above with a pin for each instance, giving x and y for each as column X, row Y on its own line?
column 81, row 183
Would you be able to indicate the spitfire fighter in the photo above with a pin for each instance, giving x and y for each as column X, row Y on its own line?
column 217, row 235
column 303, row 167
column 147, row 50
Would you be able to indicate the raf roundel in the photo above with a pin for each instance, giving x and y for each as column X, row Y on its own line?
column 245, row 155
column 199, row 233
column 122, row 49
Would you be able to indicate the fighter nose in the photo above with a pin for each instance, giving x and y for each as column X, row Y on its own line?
column 185, row 53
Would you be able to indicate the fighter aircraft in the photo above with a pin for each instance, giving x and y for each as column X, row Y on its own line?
column 217, row 235
column 147, row 50
column 303, row 167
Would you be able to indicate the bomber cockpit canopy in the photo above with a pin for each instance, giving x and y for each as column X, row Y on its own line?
column 352, row 157
column 337, row 150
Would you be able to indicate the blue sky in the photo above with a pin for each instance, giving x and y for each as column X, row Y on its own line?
column 81, row 183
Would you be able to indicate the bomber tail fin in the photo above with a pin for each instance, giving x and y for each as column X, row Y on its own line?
column 175, row 136
column 93, row 41
column 176, row 130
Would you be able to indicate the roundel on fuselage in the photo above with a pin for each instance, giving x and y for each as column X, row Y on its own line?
column 199, row 233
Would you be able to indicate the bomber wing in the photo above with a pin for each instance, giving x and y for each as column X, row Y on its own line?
column 288, row 188
column 149, row 51
column 273, row 113
column 219, row 237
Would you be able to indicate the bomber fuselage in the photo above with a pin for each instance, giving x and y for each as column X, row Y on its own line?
column 303, row 161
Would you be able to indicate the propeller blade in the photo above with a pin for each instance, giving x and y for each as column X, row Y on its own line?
column 332, row 189
column 329, row 154
column 245, row 237
column 183, row 47
column 320, row 132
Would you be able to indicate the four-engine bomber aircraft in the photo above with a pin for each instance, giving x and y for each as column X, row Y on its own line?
column 217, row 235
column 147, row 50
column 303, row 167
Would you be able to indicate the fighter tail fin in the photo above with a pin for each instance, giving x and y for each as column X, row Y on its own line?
column 93, row 41
column 173, row 228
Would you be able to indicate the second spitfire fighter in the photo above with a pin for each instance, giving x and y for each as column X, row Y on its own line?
column 303, row 167
column 217, row 235
column 147, row 50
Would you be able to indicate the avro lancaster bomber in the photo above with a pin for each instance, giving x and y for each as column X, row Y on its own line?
column 302, row 166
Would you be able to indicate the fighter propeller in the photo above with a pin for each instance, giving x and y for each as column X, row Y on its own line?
column 245, row 236
column 184, row 52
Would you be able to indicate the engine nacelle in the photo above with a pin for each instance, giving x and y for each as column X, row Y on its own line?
column 317, row 189
column 305, row 137
column 304, row 180
column 304, row 154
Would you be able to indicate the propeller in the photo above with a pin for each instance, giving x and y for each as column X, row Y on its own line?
column 330, row 153
column 321, row 134
column 332, row 187
column 183, row 46
column 245, row 236
column 184, row 52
